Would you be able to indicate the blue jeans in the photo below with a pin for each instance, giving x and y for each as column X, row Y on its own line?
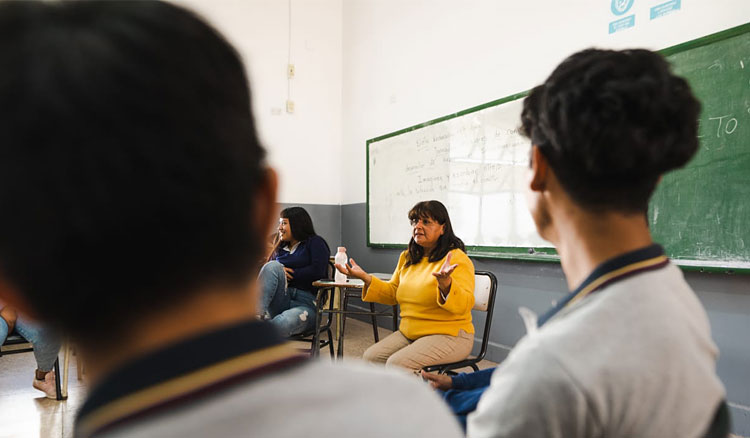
column 46, row 344
column 292, row 310
column 463, row 402
column 467, row 390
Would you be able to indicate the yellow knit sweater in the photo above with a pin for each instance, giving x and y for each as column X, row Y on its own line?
column 415, row 290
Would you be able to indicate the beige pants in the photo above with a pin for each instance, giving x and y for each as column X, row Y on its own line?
column 397, row 350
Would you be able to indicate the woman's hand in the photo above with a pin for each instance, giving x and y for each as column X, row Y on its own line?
column 355, row 271
column 438, row 381
column 444, row 275
column 289, row 273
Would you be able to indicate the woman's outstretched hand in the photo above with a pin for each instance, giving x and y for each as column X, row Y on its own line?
column 444, row 275
column 354, row 271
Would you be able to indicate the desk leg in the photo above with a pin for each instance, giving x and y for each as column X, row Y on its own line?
column 319, row 303
column 395, row 318
column 342, row 319
column 374, row 323
column 66, row 368
column 335, row 293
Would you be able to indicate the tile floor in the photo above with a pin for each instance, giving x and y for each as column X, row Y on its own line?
column 26, row 413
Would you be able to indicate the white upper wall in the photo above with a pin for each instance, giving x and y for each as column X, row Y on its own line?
column 365, row 68
column 304, row 147
column 409, row 61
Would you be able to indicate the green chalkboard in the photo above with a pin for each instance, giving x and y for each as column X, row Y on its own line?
column 472, row 159
column 701, row 214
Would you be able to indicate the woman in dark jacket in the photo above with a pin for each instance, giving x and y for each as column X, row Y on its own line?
column 299, row 258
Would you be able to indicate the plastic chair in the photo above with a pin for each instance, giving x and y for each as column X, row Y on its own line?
column 14, row 339
column 485, row 289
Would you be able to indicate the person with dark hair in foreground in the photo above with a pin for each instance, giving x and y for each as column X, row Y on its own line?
column 434, row 286
column 136, row 206
column 299, row 258
column 628, row 353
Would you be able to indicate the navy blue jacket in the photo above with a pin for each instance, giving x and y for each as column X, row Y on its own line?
column 309, row 261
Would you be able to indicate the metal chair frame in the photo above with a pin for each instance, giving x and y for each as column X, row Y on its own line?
column 343, row 311
column 448, row 368
column 373, row 315
column 313, row 335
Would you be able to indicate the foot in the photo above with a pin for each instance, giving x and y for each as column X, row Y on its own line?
column 47, row 386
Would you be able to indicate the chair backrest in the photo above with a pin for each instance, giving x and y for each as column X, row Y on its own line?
column 483, row 288
column 485, row 291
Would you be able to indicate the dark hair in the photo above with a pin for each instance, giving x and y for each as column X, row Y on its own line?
column 610, row 123
column 128, row 163
column 300, row 224
column 436, row 211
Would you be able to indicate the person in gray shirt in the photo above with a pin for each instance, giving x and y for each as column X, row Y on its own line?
column 136, row 204
column 628, row 353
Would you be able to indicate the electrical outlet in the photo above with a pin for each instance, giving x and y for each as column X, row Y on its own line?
column 290, row 71
column 290, row 106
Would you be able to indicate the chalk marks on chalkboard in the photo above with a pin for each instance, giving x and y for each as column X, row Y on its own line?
column 476, row 164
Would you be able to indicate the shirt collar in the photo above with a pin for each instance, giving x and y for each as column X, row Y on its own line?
column 183, row 372
column 615, row 269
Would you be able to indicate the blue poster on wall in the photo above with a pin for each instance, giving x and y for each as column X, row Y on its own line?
column 620, row 8
column 665, row 8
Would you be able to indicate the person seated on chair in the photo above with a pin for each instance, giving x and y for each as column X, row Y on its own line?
column 299, row 258
column 434, row 286
column 628, row 353
column 136, row 204
column 46, row 347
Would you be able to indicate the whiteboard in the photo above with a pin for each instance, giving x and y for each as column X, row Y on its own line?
column 475, row 162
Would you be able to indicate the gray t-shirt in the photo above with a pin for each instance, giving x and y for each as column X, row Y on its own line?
column 635, row 359
column 317, row 399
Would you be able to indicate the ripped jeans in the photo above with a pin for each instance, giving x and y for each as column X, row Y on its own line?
column 292, row 310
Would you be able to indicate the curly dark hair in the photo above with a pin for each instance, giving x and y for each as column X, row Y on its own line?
column 436, row 211
column 610, row 123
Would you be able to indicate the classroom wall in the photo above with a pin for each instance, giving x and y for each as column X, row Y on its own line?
column 305, row 146
column 407, row 62
column 326, row 220
column 370, row 67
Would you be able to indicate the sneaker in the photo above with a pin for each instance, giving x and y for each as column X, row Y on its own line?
column 47, row 386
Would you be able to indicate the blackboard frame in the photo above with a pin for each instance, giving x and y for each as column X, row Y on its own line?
column 541, row 254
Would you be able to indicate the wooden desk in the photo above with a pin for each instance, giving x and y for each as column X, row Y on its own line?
column 353, row 285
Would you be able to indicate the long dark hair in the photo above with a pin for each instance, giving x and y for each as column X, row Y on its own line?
column 300, row 224
column 434, row 210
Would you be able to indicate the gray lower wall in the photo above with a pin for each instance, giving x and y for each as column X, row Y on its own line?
column 536, row 285
column 326, row 220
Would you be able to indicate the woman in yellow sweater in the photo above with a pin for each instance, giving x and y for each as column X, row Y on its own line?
column 434, row 286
